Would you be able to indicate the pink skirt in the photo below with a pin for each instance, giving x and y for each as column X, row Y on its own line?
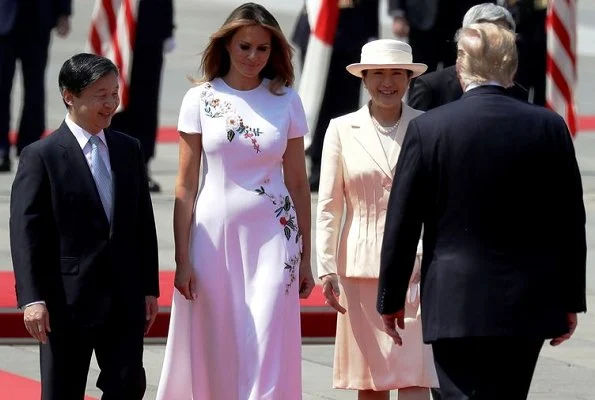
column 365, row 356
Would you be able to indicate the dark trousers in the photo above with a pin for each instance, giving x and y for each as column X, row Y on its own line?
column 118, row 346
column 341, row 96
column 140, row 117
column 532, row 49
column 27, row 43
column 490, row 368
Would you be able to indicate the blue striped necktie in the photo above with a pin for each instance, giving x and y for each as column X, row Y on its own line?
column 102, row 178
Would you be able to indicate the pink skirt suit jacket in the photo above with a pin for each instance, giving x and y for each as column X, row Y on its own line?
column 356, row 179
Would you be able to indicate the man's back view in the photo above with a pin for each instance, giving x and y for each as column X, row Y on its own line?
column 495, row 182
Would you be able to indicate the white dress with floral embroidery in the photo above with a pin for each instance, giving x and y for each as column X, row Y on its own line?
column 240, row 339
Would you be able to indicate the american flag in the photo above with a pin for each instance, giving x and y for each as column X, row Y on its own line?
column 113, row 25
column 323, row 16
column 561, row 60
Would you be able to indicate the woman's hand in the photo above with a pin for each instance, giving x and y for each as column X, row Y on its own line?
column 185, row 281
column 331, row 291
column 306, row 279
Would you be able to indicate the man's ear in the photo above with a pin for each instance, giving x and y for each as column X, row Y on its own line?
column 68, row 97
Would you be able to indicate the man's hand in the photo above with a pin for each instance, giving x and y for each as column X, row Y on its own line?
column 572, row 322
column 390, row 328
column 331, row 291
column 400, row 27
column 63, row 26
column 151, row 308
column 169, row 45
column 37, row 322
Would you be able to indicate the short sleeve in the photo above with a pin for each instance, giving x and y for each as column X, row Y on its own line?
column 298, row 125
column 189, row 118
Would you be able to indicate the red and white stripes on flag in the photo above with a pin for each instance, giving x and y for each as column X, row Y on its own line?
column 561, row 74
column 322, row 16
column 113, row 26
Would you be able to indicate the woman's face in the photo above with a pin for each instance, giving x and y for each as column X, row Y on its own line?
column 387, row 86
column 249, row 50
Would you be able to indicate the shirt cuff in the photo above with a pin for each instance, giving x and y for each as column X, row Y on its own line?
column 33, row 303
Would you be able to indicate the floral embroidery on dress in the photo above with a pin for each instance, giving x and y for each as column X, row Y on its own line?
column 285, row 212
column 290, row 267
column 234, row 124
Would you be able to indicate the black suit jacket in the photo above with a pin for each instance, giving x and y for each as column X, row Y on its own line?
column 421, row 14
column 441, row 87
column 424, row 15
column 356, row 26
column 43, row 13
column 495, row 183
column 64, row 251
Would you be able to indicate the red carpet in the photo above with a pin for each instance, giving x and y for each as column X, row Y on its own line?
column 169, row 134
column 586, row 123
column 15, row 387
column 318, row 320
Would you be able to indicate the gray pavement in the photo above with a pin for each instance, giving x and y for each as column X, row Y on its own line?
column 563, row 373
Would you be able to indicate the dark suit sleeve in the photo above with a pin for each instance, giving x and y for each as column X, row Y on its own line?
column 421, row 95
column 31, row 227
column 403, row 226
column 168, row 17
column 394, row 5
column 63, row 7
column 146, row 231
column 574, row 246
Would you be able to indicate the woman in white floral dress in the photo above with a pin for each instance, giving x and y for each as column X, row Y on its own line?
column 243, row 238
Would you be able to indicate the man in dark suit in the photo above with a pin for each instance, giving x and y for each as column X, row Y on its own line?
column 441, row 87
column 532, row 43
column 430, row 26
column 496, row 185
column 357, row 25
column 153, row 37
column 25, row 27
column 83, row 242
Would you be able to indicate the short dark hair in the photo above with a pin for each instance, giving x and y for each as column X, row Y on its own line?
column 82, row 70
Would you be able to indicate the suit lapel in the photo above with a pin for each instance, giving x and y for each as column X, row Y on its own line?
column 364, row 133
column 77, row 169
column 117, row 162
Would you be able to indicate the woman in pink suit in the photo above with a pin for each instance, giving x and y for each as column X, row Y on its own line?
column 358, row 164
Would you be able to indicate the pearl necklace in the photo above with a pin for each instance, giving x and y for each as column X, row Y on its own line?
column 388, row 131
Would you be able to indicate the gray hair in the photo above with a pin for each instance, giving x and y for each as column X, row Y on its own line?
column 488, row 12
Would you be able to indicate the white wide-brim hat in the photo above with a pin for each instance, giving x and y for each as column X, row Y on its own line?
column 386, row 53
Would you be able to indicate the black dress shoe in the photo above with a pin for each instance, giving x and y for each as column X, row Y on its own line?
column 154, row 187
column 5, row 164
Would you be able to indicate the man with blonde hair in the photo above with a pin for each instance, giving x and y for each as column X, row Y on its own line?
column 441, row 87
column 496, row 185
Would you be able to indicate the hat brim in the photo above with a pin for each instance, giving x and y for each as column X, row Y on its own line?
column 357, row 68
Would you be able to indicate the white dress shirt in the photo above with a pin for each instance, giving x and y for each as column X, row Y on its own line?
column 82, row 137
column 474, row 85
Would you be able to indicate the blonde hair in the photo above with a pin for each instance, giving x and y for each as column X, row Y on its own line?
column 486, row 52
column 279, row 69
